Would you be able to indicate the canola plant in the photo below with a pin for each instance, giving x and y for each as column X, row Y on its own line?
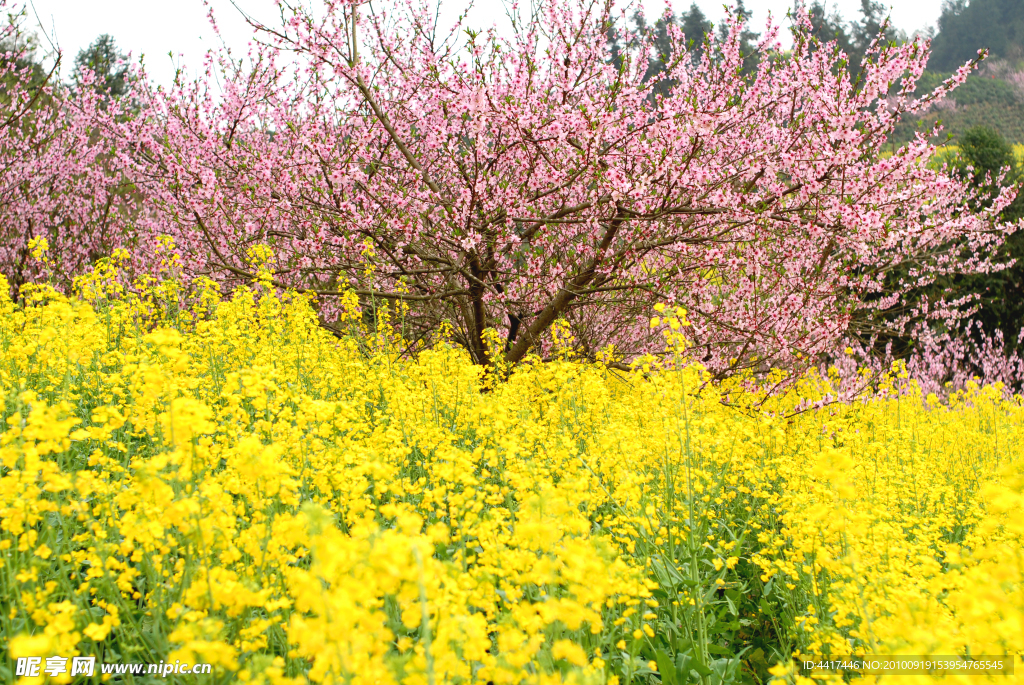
column 227, row 482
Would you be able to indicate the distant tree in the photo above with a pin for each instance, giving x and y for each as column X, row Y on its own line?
column 695, row 26
column 108, row 65
column 658, row 32
column 855, row 37
column 966, row 27
column 873, row 17
column 829, row 26
column 748, row 38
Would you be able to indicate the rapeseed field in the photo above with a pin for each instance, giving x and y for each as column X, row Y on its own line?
column 948, row 153
column 189, row 477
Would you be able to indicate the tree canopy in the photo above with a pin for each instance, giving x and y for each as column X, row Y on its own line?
column 498, row 187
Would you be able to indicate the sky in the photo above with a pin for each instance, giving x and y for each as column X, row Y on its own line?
column 156, row 27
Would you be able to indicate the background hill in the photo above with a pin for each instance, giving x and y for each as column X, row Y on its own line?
column 994, row 96
column 965, row 27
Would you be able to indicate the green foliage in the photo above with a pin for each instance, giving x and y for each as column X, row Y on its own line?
column 695, row 26
column 986, row 152
column 658, row 31
column 965, row 28
column 829, row 26
column 873, row 18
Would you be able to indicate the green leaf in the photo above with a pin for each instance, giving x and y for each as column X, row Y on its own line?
column 699, row 668
column 666, row 668
column 732, row 607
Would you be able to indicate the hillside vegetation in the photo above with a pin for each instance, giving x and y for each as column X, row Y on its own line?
column 994, row 97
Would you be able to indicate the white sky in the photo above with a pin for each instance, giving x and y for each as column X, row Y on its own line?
column 156, row 27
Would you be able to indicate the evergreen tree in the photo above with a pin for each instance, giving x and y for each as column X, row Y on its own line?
column 829, row 26
column 748, row 38
column 865, row 31
column 662, row 44
column 695, row 27
column 107, row 63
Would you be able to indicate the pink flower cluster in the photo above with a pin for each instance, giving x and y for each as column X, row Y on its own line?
column 509, row 181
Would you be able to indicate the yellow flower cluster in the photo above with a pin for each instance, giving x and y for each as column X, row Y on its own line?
column 899, row 527
column 185, row 476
